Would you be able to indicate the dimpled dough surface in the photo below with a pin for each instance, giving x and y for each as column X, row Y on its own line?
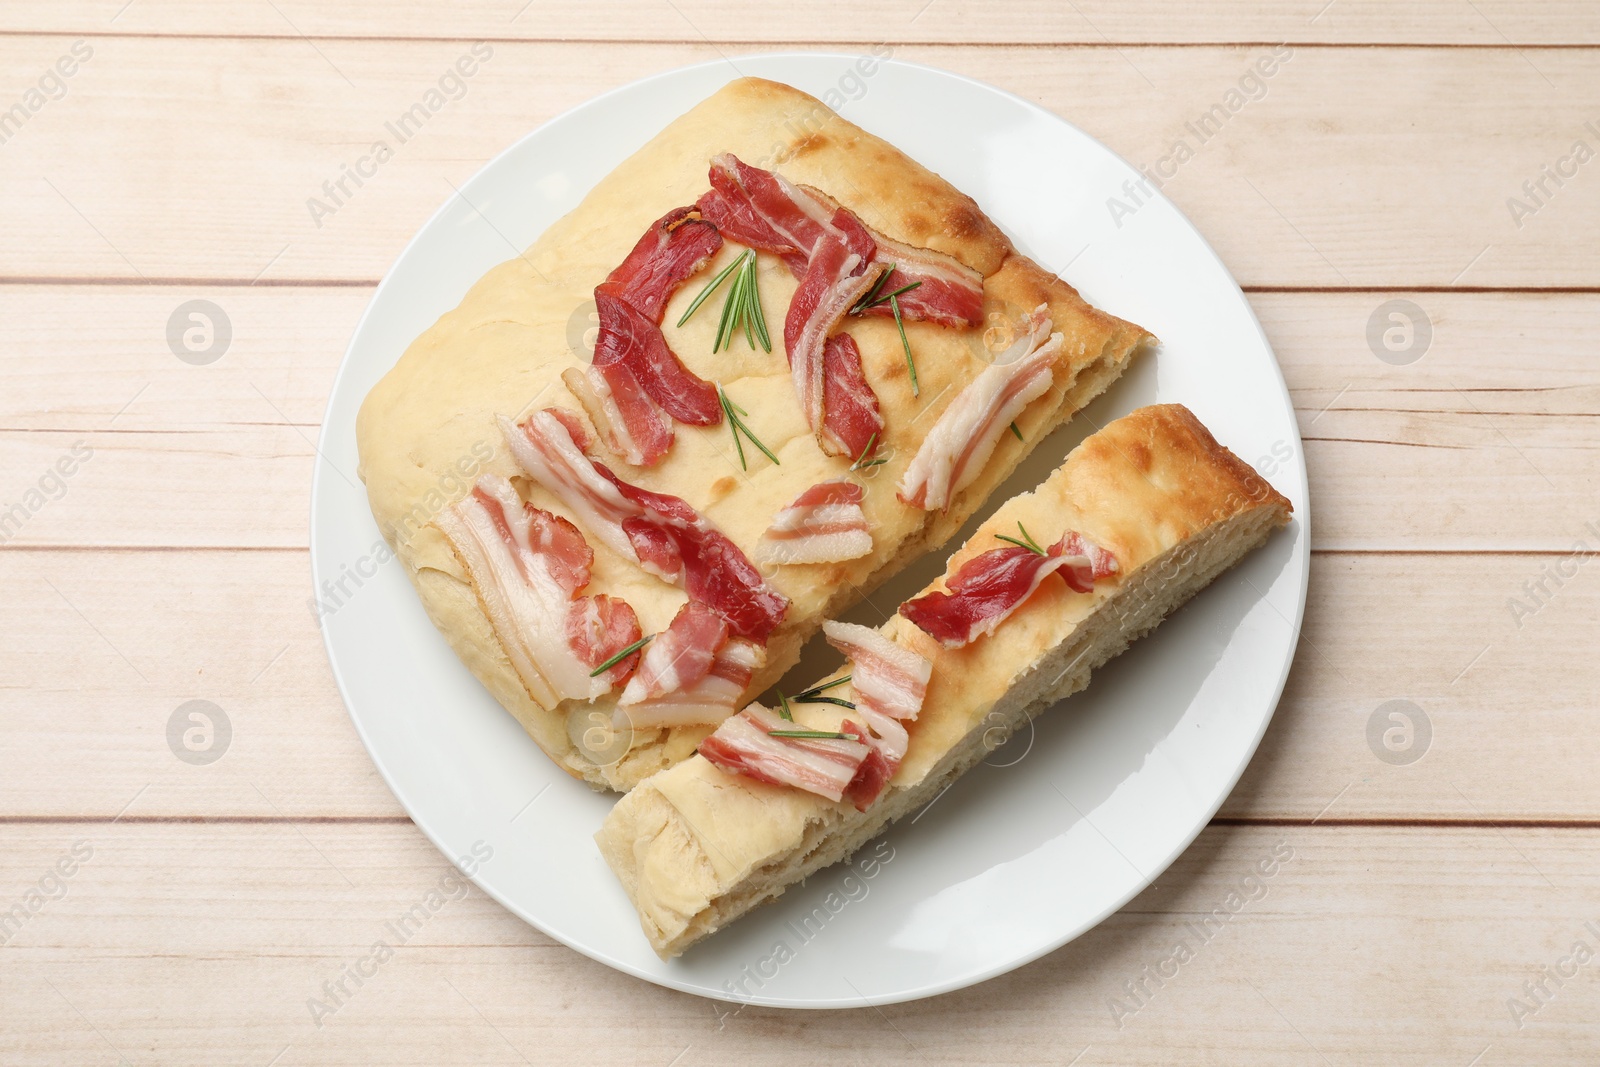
column 428, row 427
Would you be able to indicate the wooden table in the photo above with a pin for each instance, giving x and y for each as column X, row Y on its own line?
column 184, row 913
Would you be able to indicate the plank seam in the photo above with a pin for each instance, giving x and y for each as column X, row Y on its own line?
column 1101, row 45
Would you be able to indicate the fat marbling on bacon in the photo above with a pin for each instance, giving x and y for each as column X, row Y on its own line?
column 829, row 288
column 836, row 768
column 825, row 524
column 889, row 681
column 987, row 588
column 528, row 566
column 962, row 440
column 635, row 380
column 680, row 655
column 664, row 534
column 711, row 698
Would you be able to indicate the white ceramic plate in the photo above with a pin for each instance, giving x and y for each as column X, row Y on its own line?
column 1068, row 821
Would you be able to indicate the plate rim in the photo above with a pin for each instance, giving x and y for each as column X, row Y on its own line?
column 1301, row 554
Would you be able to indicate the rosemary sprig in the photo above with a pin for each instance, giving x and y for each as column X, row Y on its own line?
column 862, row 462
column 1027, row 541
column 872, row 297
column 814, row 699
column 620, row 656
column 737, row 426
column 819, row 735
column 783, row 707
column 894, row 305
column 710, row 288
column 742, row 308
column 1016, row 431
column 728, row 324
column 814, row 690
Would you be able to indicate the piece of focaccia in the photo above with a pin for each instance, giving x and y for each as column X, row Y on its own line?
column 520, row 342
column 697, row 846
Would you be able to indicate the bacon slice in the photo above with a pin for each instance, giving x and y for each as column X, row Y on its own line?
column 630, row 342
column 850, row 416
column 636, row 379
column 743, row 744
column 709, row 700
column 827, row 291
column 677, row 247
column 961, row 442
column 888, row 678
column 630, row 423
column 764, row 210
column 874, row 772
column 825, row 524
column 527, row 565
column 662, row 533
column 950, row 293
column 989, row 587
column 680, row 655
column 600, row 626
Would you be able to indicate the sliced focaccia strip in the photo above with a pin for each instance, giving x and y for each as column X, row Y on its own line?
column 429, row 428
column 695, row 846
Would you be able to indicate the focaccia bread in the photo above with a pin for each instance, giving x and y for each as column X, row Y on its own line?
column 430, row 428
column 696, row 846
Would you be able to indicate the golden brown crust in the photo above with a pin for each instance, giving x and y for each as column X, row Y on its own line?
column 428, row 428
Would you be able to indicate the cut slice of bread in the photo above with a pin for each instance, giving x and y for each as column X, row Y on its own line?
column 696, row 847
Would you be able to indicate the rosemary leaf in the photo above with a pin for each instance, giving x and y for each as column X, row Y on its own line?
column 820, row 735
column 709, row 289
column 862, row 462
column 620, row 656
column 894, row 304
column 803, row 699
column 729, row 324
column 814, row 690
column 783, row 707
column 870, row 297
column 1016, row 431
column 733, row 425
column 1027, row 541
column 738, row 426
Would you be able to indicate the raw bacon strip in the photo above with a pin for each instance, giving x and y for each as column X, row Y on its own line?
column 743, row 744
column 527, row 565
column 635, row 379
column 677, row 247
column 630, row 423
column 825, row 524
column 888, row 678
column 889, row 737
column 544, row 448
column 709, row 700
column 874, row 772
column 662, row 533
column 680, row 655
column 961, row 442
column 1081, row 578
column 829, row 288
column 600, row 626
column 630, row 342
column 850, row 415
column 989, row 587
column 764, row 210
column 950, row 293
